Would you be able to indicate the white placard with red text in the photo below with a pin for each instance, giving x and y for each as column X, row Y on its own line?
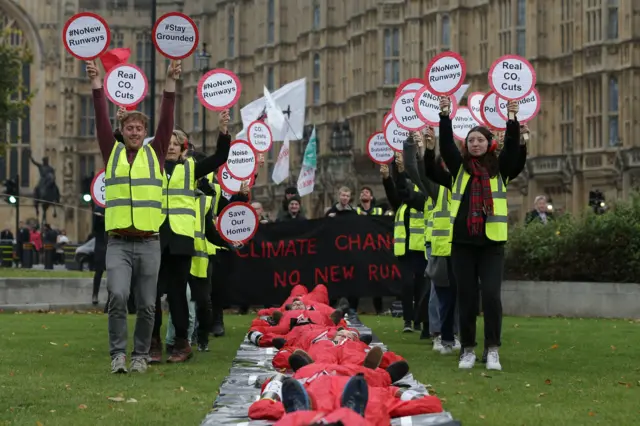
column 462, row 123
column 237, row 223
column 395, row 135
column 219, row 89
column 260, row 136
column 528, row 107
column 512, row 77
column 175, row 35
column 473, row 102
column 86, row 36
column 379, row 150
column 411, row 84
column 404, row 113
column 229, row 184
column 427, row 106
column 98, row 193
column 489, row 113
column 126, row 85
column 445, row 73
column 242, row 161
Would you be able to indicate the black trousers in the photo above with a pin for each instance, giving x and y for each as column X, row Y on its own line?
column 172, row 280
column 412, row 265
column 201, row 294
column 447, row 298
column 218, row 273
column 479, row 267
column 97, row 280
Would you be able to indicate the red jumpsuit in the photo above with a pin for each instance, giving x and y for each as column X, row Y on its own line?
column 326, row 391
column 304, row 318
column 319, row 294
column 305, row 418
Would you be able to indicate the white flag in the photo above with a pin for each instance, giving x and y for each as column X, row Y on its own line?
column 275, row 117
column 281, row 168
column 460, row 92
column 291, row 99
column 306, row 180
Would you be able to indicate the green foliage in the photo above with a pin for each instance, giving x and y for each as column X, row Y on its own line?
column 14, row 97
column 589, row 247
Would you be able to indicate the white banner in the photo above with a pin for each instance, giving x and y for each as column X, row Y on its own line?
column 281, row 168
column 306, row 180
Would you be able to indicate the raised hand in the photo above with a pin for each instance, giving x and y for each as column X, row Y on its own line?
column 174, row 70
column 244, row 188
column 430, row 137
column 260, row 160
column 512, row 109
column 524, row 134
column 445, row 105
column 400, row 162
column 94, row 74
column 384, row 171
column 223, row 121
column 121, row 113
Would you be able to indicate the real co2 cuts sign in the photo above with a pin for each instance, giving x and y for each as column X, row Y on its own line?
column 98, row 194
column 86, row 36
column 219, row 89
column 512, row 77
column 237, row 223
column 260, row 137
column 378, row 149
column 126, row 85
column 175, row 35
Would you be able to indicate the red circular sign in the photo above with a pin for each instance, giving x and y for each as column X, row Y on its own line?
column 97, row 195
column 86, row 51
column 448, row 64
column 176, row 22
column 413, row 83
column 226, row 97
column 234, row 205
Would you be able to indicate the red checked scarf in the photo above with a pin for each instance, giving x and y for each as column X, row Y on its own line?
column 480, row 199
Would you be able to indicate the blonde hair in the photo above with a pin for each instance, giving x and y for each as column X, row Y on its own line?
column 135, row 115
column 344, row 189
column 182, row 138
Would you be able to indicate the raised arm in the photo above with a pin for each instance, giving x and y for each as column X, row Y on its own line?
column 448, row 149
column 434, row 171
column 413, row 199
column 410, row 159
column 223, row 145
column 510, row 157
column 101, row 110
column 164, row 131
column 390, row 188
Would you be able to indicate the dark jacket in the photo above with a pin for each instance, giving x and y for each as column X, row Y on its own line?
column 534, row 216
column 287, row 217
column 340, row 211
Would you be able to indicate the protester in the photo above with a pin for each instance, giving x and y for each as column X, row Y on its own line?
column 177, row 235
column 479, row 214
column 99, row 251
column 133, row 215
column 288, row 193
column 263, row 216
column 540, row 213
column 409, row 248
column 293, row 210
column 343, row 206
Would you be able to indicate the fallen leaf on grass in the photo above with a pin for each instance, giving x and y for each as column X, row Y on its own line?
column 527, row 385
column 613, row 348
column 45, row 327
column 625, row 384
column 82, row 407
column 547, row 382
column 116, row 399
column 498, row 389
column 591, row 413
column 554, row 346
column 39, row 424
column 66, row 345
column 485, row 375
column 516, row 325
column 540, row 395
column 53, row 343
column 482, row 416
column 52, row 411
column 131, row 400
column 538, row 405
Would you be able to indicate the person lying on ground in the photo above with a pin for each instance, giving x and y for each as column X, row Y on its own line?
column 319, row 295
column 298, row 304
column 263, row 335
column 326, row 393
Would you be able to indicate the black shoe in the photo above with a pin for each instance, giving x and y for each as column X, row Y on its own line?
column 299, row 359
column 407, row 327
column 398, row 370
column 485, row 352
column 336, row 316
column 294, row 396
column 424, row 334
column 94, row 299
column 417, row 326
column 355, row 394
column 343, row 304
column 279, row 342
column 203, row 347
column 218, row 330
column 366, row 338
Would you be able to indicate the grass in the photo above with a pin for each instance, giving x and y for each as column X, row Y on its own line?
column 54, row 371
column 556, row 371
column 41, row 273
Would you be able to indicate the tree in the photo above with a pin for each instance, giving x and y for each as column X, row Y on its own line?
column 14, row 98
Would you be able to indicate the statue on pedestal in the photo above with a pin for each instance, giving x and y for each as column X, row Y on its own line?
column 46, row 193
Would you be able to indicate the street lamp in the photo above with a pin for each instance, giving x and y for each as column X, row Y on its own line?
column 203, row 61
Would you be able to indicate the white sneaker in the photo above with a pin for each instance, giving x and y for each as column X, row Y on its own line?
column 446, row 350
column 456, row 345
column 493, row 360
column 467, row 360
column 437, row 344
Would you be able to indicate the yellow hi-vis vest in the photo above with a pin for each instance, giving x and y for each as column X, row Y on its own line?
column 211, row 248
column 376, row 211
column 496, row 225
column 428, row 221
column 442, row 225
column 416, row 230
column 133, row 191
column 178, row 198
column 200, row 259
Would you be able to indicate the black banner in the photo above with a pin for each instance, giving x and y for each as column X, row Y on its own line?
column 352, row 255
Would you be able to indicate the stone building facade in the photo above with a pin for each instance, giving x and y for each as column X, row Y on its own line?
column 354, row 54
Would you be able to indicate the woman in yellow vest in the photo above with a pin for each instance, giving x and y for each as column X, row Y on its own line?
column 177, row 233
column 478, row 217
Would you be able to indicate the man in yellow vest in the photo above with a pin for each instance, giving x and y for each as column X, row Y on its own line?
column 408, row 247
column 133, row 215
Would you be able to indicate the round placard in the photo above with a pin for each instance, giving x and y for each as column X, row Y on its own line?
column 98, row 193
column 126, row 85
column 528, row 107
column 219, row 89
column 445, row 73
column 228, row 183
column 462, row 123
column 260, row 136
column 242, row 161
column 489, row 113
column 175, row 35
column 512, row 77
column 473, row 102
column 387, row 117
column 379, row 150
column 237, row 223
column 86, row 36
column 395, row 135
column 427, row 106
column 404, row 112
column 411, row 84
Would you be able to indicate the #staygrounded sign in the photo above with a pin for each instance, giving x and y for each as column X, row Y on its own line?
column 175, row 35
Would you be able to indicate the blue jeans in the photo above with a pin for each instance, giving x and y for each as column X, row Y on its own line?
column 448, row 296
column 171, row 331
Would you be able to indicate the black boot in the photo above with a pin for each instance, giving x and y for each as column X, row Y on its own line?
column 218, row 323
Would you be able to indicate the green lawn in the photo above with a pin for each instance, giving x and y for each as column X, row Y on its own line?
column 41, row 273
column 54, row 371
